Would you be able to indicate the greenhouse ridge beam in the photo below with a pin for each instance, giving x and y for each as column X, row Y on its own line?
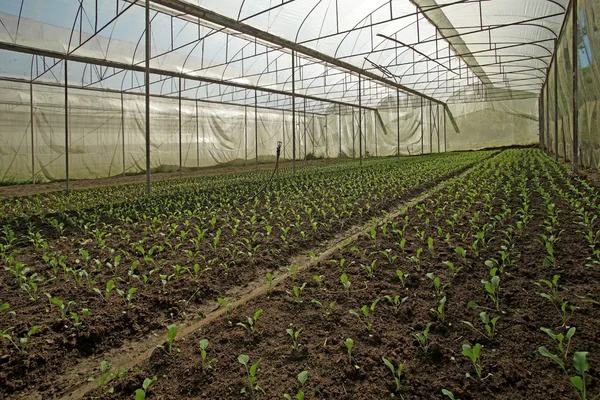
column 156, row 71
column 230, row 23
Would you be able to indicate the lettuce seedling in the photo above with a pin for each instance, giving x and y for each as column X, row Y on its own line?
column 251, row 326
column 492, row 287
column 128, row 297
column 140, row 394
column 62, row 307
column 440, row 311
column 581, row 365
column 370, row 268
column 269, row 283
column 559, row 340
column 367, row 315
column 22, row 342
column 294, row 335
column 171, row 334
column 302, row 378
column 453, row 269
column 423, row 338
column 320, row 280
column 229, row 308
column 437, row 284
column 395, row 301
column 488, row 324
column 345, row 283
column 105, row 374
column 296, row 292
column 251, row 371
column 554, row 296
column 326, row 310
column 400, row 276
column 396, row 372
column 349, row 345
column 109, row 287
column 474, row 354
column 206, row 363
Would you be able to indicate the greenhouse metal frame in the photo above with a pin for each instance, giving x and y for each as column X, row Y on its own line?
column 387, row 71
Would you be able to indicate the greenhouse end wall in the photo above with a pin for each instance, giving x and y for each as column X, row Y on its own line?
column 106, row 135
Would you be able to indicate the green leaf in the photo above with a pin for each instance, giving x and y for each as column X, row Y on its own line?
column 544, row 351
column 253, row 368
column 580, row 361
column 302, row 377
column 33, row 330
column 140, row 394
column 577, row 382
column 448, row 393
column 243, row 359
column 389, row 365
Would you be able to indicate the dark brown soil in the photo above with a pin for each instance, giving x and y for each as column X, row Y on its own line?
column 59, row 345
column 517, row 370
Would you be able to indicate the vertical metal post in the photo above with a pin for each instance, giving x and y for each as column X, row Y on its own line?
column 312, row 141
column 375, row 130
column 304, row 124
column 340, row 128
column 575, row 127
column 246, row 135
column 541, row 119
column 359, row 119
column 422, row 126
column 555, row 110
column 180, row 149
column 430, row 128
column 66, row 126
column 256, row 127
column 147, row 84
column 353, row 135
column 445, row 140
column 294, row 112
column 547, row 140
column 437, row 109
column 326, row 139
column 283, row 127
column 123, row 131
column 32, row 132
column 197, row 137
column 398, row 121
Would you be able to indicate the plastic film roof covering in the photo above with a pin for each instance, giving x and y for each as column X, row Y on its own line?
column 393, row 39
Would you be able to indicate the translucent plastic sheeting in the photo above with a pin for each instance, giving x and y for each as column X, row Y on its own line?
column 560, row 90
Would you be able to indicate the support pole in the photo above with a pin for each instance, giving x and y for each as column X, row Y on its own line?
column 445, row 140
column 66, row 126
column 340, row 128
column 147, row 84
column 256, row 127
column 304, row 124
column 541, row 119
column 294, row 112
column 198, row 137
column 375, row 131
column 359, row 120
column 123, row 131
column 398, row 121
column 422, row 126
column 555, row 111
column 312, row 141
column 430, row 128
column 246, row 135
column 437, row 108
column 180, row 149
column 32, row 132
column 547, row 140
column 326, row 139
column 283, row 127
column 575, row 107
column 353, row 136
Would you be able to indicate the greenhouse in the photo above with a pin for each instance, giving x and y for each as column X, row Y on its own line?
column 299, row 199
